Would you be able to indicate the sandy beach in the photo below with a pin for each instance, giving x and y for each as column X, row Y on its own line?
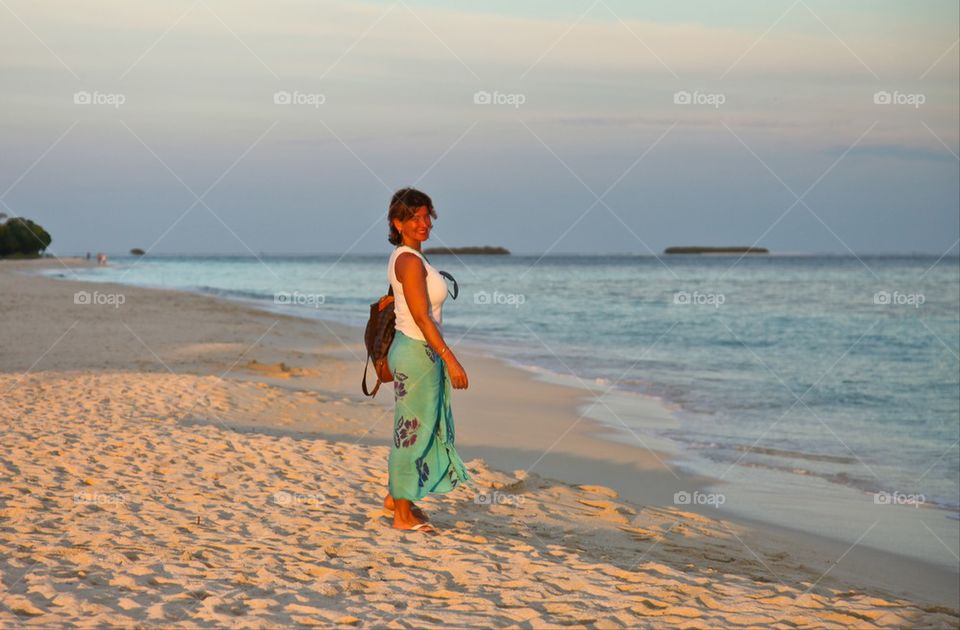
column 175, row 460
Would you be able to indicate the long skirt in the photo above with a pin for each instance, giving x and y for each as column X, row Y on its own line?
column 423, row 458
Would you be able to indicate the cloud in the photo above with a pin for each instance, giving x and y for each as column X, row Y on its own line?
column 303, row 39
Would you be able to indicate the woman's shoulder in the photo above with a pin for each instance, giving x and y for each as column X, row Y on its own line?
column 407, row 258
column 399, row 250
column 405, row 249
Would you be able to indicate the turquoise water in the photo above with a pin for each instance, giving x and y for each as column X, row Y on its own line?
column 836, row 368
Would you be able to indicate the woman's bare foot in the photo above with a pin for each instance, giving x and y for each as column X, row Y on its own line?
column 390, row 504
column 404, row 516
column 399, row 523
column 423, row 526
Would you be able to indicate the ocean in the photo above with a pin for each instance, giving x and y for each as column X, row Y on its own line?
column 826, row 370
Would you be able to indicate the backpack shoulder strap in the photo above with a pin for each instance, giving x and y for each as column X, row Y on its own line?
column 363, row 383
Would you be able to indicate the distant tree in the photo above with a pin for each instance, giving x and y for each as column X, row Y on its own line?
column 22, row 237
column 471, row 249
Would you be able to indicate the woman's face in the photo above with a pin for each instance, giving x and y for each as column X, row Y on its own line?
column 417, row 227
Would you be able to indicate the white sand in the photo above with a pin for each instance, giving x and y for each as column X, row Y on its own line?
column 154, row 474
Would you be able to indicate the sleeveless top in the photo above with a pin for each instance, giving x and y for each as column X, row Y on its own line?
column 436, row 294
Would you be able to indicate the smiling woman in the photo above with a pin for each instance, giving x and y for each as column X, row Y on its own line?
column 423, row 458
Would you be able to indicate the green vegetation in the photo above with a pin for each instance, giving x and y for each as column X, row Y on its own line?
column 694, row 249
column 22, row 238
column 486, row 250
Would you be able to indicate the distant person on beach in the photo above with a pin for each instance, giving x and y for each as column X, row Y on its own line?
column 101, row 259
column 423, row 458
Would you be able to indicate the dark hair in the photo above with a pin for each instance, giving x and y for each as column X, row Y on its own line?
column 403, row 205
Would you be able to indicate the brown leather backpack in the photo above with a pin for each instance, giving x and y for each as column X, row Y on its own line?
column 381, row 329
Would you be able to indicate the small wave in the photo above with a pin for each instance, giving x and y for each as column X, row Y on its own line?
column 779, row 452
column 232, row 293
column 867, row 485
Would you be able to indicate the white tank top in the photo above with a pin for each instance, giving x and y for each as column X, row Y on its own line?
column 436, row 294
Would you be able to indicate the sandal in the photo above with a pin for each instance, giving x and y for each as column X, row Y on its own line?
column 425, row 527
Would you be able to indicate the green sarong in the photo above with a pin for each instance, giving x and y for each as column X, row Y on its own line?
column 423, row 458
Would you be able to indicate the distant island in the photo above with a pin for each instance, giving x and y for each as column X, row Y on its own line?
column 694, row 249
column 485, row 250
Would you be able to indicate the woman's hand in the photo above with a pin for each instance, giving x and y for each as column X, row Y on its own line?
column 458, row 376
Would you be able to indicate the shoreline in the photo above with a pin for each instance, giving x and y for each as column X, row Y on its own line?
column 579, row 455
column 600, row 421
column 597, row 451
column 697, row 466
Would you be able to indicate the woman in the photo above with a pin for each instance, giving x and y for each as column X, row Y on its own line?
column 423, row 458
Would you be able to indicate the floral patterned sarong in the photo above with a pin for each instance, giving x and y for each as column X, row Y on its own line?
column 423, row 458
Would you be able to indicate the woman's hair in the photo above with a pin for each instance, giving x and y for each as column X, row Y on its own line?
column 404, row 205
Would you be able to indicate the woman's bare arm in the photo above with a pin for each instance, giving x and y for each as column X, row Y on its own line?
column 412, row 275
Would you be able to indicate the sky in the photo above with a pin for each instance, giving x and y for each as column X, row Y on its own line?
column 562, row 126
